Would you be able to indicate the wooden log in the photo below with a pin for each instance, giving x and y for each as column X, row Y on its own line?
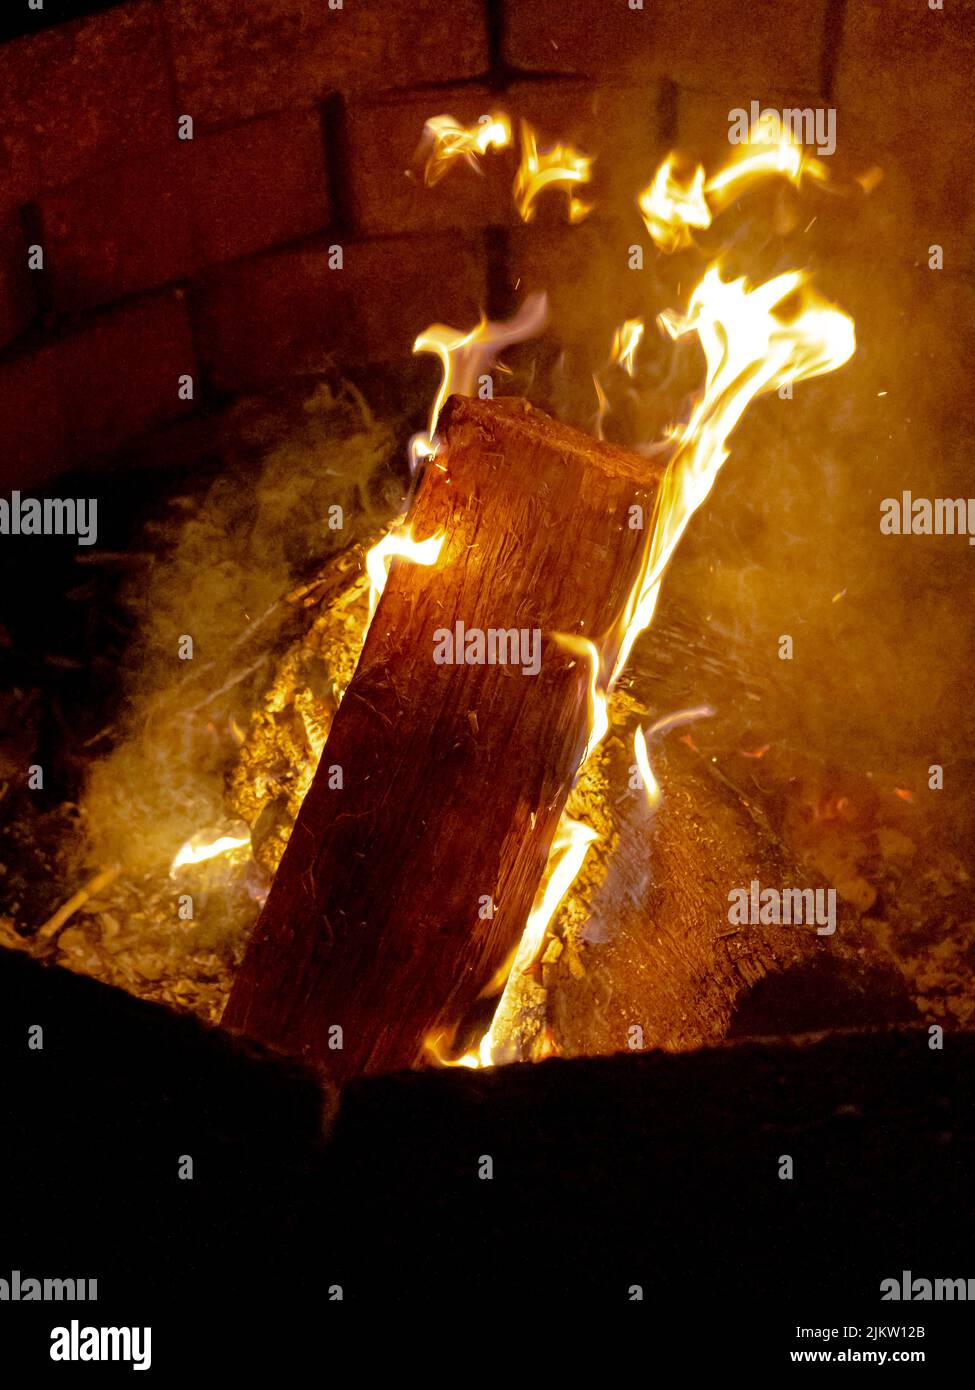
column 453, row 776
column 657, row 949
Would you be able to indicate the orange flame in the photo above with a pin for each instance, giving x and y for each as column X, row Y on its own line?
column 772, row 150
column 450, row 142
column 560, row 167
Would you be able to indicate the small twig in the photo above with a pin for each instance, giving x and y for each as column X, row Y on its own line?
column 66, row 910
column 102, row 733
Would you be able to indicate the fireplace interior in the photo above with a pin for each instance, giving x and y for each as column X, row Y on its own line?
column 289, row 290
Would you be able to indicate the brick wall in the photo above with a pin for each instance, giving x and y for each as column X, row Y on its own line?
column 211, row 257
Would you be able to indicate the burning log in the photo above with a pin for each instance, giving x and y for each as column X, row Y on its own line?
column 657, row 963
column 419, row 848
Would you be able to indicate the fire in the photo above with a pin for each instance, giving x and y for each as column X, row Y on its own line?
column 678, row 202
column 777, row 152
column 199, row 848
column 598, row 707
column 467, row 358
column 402, row 544
column 626, row 340
column 755, row 340
column 569, row 849
column 673, row 204
column 641, row 751
column 650, row 784
column 450, row 142
column 560, row 167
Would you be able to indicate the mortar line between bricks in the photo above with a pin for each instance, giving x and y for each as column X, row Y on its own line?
column 193, row 228
column 668, row 112
column 497, row 277
column 832, row 38
column 495, row 20
column 69, row 322
column 206, row 398
column 495, row 79
column 170, row 64
column 334, row 125
column 42, row 293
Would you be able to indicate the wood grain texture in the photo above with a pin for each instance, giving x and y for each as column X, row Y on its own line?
column 657, row 949
column 454, row 776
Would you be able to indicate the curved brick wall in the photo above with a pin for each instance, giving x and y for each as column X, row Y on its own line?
column 210, row 256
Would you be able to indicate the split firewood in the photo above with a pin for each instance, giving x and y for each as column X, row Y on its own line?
column 644, row 953
column 419, row 848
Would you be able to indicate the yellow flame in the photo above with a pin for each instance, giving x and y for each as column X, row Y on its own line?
column 754, row 340
column 598, row 704
column 449, row 141
column 678, row 202
column 602, row 406
column 197, row 850
column 673, row 205
column 626, row 340
column 771, row 150
column 466, row 357
column 560, row 167
column 662, row 726
column 569, row 849
column 401, row 544
column 651, row 786
column 436, row 1046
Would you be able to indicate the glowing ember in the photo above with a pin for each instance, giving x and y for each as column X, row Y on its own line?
column 561, row 167
column 450, row 142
